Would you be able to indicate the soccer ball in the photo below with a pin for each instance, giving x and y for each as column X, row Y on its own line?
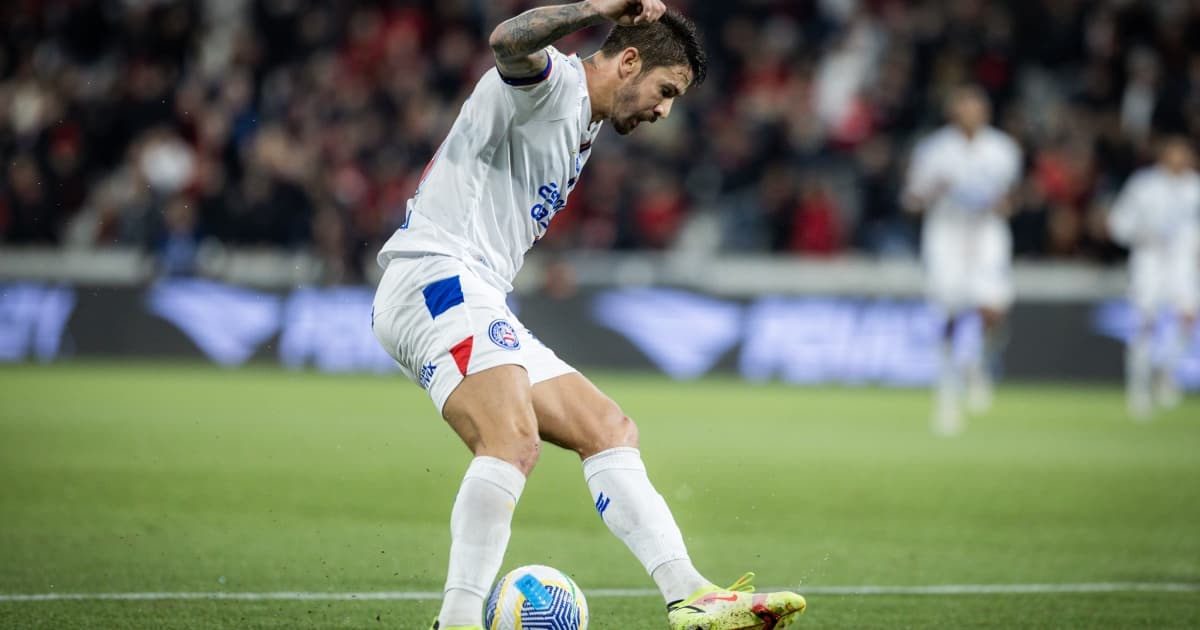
column 536, row 598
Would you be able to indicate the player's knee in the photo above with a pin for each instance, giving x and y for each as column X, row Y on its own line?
column 610, row 428
column 517, row 442
column 510, row 435
column 628, row 432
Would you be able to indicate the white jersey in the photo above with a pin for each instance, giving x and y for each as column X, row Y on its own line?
column 965, row 246
column 1158, row 210
column 1157, row 215
column 503, row 172
column 963, row 178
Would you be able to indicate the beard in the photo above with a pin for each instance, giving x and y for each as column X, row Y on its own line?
column 625, row 117
column 625, row 125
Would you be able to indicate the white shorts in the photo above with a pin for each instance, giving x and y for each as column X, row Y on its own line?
column 968, row 263
column 441, row 322
column 1161, row 279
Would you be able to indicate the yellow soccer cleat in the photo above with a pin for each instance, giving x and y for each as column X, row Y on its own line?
column 735, row 608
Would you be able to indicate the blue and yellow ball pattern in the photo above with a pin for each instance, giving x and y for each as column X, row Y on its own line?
column 536, row 597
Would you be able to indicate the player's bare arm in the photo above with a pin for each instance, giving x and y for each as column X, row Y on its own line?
column 918, row 203
column 519, row 43
column 914, row 204
column 1007, row 204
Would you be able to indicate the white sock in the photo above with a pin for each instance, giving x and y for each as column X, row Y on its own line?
column 1177, row 349
column 1139, row 371
column 637, row 514
column 948, row 376
column 480, row 525
column 947, row 414
column 976, row 372
column 678, row 579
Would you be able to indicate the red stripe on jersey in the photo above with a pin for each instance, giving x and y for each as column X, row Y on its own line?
column 428, row 166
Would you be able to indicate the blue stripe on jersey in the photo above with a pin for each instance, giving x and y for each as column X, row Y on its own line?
column 523, row 81
column 443, row 295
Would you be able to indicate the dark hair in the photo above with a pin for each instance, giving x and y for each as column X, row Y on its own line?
column 671, row 41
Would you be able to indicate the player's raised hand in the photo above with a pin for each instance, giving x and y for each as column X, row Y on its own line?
column 630, row 12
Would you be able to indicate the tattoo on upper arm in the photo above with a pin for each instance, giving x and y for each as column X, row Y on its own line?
column 518, row 42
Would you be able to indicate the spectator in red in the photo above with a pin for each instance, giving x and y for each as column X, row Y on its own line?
column 816, row 226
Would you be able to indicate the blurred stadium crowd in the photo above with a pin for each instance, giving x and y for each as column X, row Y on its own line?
column 307, row 123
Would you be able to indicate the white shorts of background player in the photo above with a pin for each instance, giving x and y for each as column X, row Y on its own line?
column 1163, row 279
column 968, row 262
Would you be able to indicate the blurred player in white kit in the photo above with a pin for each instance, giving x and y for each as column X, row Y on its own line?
column 961, row 178
column 1157, row 216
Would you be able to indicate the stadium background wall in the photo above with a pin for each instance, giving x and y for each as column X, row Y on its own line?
column 803, row 339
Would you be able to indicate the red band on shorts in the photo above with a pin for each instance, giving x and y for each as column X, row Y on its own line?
column 462, row 354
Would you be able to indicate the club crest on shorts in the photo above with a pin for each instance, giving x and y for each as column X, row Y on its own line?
column 503, row 335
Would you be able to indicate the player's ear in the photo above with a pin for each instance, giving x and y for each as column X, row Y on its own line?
column 629, row 63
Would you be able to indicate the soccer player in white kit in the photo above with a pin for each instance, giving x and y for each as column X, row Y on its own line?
column 506, row 168
column 962, row 177
column 1157, row 216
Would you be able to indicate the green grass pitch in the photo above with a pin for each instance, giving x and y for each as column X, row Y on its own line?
column 120, row 478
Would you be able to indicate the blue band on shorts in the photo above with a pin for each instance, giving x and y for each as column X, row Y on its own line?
column 443, row 295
